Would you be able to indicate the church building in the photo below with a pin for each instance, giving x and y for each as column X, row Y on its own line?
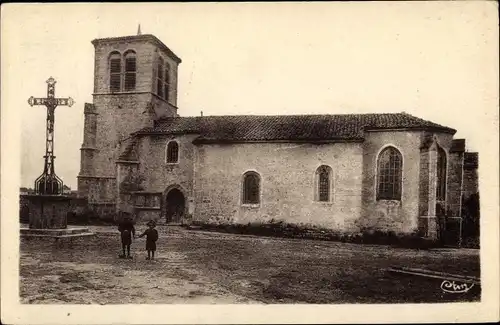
column 345, row 172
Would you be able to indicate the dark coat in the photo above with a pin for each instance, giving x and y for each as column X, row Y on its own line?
column 127, row 229
column 151, row 238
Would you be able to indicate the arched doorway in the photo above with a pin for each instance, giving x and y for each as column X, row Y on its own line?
column 175, row 206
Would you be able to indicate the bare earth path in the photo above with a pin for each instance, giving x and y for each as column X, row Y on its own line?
column 200, row 267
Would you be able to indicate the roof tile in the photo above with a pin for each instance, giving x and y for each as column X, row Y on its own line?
column 289, row 127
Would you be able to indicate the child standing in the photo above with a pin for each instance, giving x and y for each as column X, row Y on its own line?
column 151, row 237
column 127, row 230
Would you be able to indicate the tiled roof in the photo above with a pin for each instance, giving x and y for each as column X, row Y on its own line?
column 471, row 160
column 288, row 127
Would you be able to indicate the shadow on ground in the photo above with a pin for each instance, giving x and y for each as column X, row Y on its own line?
column 212, row 268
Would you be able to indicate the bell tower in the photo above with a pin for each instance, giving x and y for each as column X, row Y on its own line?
column 136, row 65
column 135, row 83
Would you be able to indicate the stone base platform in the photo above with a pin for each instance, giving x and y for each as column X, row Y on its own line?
column 70, row 232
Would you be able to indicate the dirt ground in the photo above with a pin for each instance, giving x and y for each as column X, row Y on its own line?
column 211, row 268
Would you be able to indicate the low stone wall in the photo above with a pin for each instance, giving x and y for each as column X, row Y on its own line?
column 83, row 213
column 281, row 229
column 24, row 211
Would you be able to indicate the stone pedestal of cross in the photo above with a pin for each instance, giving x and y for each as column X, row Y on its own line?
column 48, row 207
column 48, row 183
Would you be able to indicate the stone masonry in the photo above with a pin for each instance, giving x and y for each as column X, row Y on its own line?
column 126, row 135
column 113, row 116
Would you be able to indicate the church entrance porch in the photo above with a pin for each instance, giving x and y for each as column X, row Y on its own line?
column 175, row 206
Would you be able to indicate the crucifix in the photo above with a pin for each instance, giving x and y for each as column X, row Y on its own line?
column 48, row 183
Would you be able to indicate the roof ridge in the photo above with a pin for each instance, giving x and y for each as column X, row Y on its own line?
column 424, row 120
column 284, row 115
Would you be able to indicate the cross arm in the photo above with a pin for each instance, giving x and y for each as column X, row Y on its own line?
column 57, row 101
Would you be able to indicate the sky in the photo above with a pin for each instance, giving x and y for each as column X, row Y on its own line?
column 434, row 60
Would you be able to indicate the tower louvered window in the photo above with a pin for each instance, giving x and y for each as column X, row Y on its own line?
column 115, row 69
column 166, row 84
column 159, row 77
column 130, row 71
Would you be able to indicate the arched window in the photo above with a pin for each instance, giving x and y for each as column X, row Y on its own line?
column 130, row 70
column 166, row 84
column 323, row 182
column 389, row 171
column 115, row 71
column 441, row 175
column 172, row 152
column 159, row 77
column 251, row 188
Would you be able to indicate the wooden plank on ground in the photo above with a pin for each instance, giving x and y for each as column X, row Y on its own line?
column 436, row 275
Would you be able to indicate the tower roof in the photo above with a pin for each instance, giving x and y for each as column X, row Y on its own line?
column 138, row 38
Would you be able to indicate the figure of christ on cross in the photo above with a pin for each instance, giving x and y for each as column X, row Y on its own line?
column 48, row 183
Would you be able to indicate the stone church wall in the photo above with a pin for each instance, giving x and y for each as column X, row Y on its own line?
column 424, row 181
column 98, row 189
column 455, row 175
column 471, row 185
column 158, row 173
column 287, row 174
column 402, row 216
column 387, row 215
column 119, row 116
column 160, row 176
column 452, row 173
